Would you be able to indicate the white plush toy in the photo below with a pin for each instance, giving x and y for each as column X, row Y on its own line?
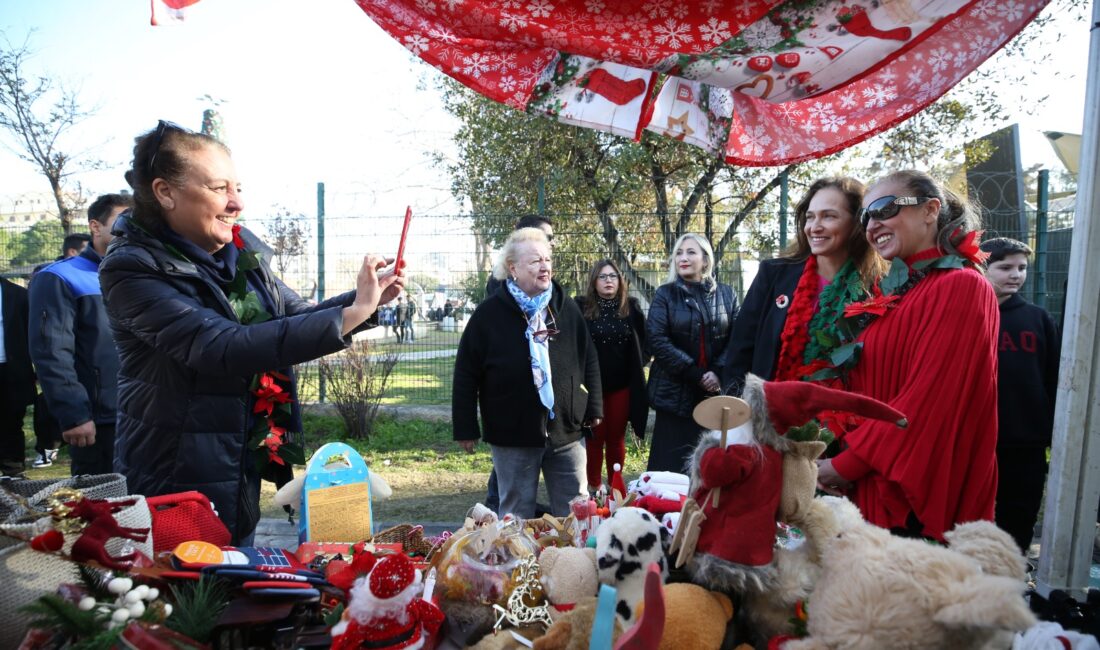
column 626, row 544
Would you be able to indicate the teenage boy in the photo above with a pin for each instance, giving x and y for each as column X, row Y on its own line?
column 1027, row 380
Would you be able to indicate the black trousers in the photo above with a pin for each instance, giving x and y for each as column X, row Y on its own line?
column 1021, row 478
column 47, row 433
column 12, row 442
column 98, row 458
column 674, row 439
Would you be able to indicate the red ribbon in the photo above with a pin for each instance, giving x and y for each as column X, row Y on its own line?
column 969, row 247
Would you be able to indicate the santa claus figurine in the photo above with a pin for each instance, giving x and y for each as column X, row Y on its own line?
column 738, row 487
column 385, row 610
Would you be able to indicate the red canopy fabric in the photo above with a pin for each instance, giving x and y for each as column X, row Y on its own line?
column 760, row 82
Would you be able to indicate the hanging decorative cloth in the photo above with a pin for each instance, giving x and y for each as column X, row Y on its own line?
column 537, row 341
column 758, row 82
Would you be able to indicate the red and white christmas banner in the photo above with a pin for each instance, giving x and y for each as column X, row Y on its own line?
column 761, row 82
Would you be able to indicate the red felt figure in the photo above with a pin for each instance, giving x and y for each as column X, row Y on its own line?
column 385, row 610
column 734, row 551
column 857, row 22
column 100, row 527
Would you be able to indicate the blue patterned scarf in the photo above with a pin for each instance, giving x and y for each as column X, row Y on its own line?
column 540, row 350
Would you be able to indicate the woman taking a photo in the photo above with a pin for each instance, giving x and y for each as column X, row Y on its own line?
column 617, row 326
column 830, row 266
column 688, row 327
column 526, row 361
column 932, row 355
column 206, row 334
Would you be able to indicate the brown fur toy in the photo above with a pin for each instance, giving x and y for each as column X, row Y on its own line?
column 695, row 618
column 573, row 630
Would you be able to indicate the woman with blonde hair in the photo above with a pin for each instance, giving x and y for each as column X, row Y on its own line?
column 527, row 363
column 929, row 349
column 688, row 328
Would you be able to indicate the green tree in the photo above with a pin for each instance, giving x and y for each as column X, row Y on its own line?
column 37, row 244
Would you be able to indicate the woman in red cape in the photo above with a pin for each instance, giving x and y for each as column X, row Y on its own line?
column 931, row 355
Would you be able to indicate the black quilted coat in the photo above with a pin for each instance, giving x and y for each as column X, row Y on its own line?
column 185, row 368
column 679, row 315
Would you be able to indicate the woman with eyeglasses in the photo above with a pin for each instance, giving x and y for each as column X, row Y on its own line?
column 526, row 361
column 207, row 336
column 801, row 295
column 617, row 325
column 929, row 350
column 688, row 328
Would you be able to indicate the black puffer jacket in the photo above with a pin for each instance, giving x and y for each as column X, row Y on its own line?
column 678, row 316
column 186, row 364
column 493, row 373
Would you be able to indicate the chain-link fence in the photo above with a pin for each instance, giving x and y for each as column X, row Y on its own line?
column 448, row 264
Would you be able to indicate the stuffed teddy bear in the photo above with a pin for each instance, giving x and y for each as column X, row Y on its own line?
column 568, row 574
column 626, row 544
column 876, row 590
column 739, row 488
column 695, row 618
column 573, row 630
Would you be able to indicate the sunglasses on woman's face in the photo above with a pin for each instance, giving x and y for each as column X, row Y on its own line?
column 163, row 126
column 887, row 207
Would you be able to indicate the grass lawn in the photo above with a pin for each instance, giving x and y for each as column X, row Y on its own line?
column 433, row 480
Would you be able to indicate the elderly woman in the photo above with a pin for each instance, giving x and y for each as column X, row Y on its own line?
column 617, row 325
column 805, row 291
column 206, row 334
column 527, row 361
column 932, row 355
column 688, row 327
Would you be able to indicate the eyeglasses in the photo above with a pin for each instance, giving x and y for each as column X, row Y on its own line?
column 548, row 334
column 608, row 276
column 163, row 126
column 888, row 207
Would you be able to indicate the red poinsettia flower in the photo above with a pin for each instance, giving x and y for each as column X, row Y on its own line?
column 877, row 306
column 969, row 248
column 237, row 240
column 269, row 393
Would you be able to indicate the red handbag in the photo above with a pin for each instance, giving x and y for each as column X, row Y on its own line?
column 185, row 517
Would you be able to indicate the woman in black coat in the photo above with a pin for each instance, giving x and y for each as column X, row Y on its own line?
column 526, row 361
column 617, row 326
column 829, row 266
column 689, row 324
column 199, row 318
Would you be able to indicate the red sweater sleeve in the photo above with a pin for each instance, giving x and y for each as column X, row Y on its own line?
column 940, row 362
column 729, row 466
column 849, row 466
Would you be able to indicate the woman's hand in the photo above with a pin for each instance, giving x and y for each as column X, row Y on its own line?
column 829, row 480
column 371, row 289
column 710, row 382
column 467, row 445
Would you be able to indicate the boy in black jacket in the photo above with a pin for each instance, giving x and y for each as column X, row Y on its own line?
column 1028, row 347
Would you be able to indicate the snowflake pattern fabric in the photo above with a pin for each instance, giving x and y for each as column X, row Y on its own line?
column 760, row 82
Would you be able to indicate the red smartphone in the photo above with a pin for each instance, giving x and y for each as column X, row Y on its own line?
column 399, row 263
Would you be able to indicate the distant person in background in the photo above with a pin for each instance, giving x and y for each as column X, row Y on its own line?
column 1028, row 348
column 400, row 313
column 47, row 433
column 448, row 309
column 492, row 496
column 16, row 376
column 617, row 326
column 72, row 348
column 410, row 316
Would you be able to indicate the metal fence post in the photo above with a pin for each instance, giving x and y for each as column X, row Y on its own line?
column 784, row 198
column 320, row 273
column 1042, row 205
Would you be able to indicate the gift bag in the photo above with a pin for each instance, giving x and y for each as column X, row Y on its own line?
column 185, row 517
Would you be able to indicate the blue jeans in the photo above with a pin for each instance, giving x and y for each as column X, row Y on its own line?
column 518, row 468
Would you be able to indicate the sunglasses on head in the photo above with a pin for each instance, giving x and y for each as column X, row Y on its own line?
column 163, row 127
column 887, row 207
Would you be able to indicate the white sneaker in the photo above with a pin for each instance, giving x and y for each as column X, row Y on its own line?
column 45, row 459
